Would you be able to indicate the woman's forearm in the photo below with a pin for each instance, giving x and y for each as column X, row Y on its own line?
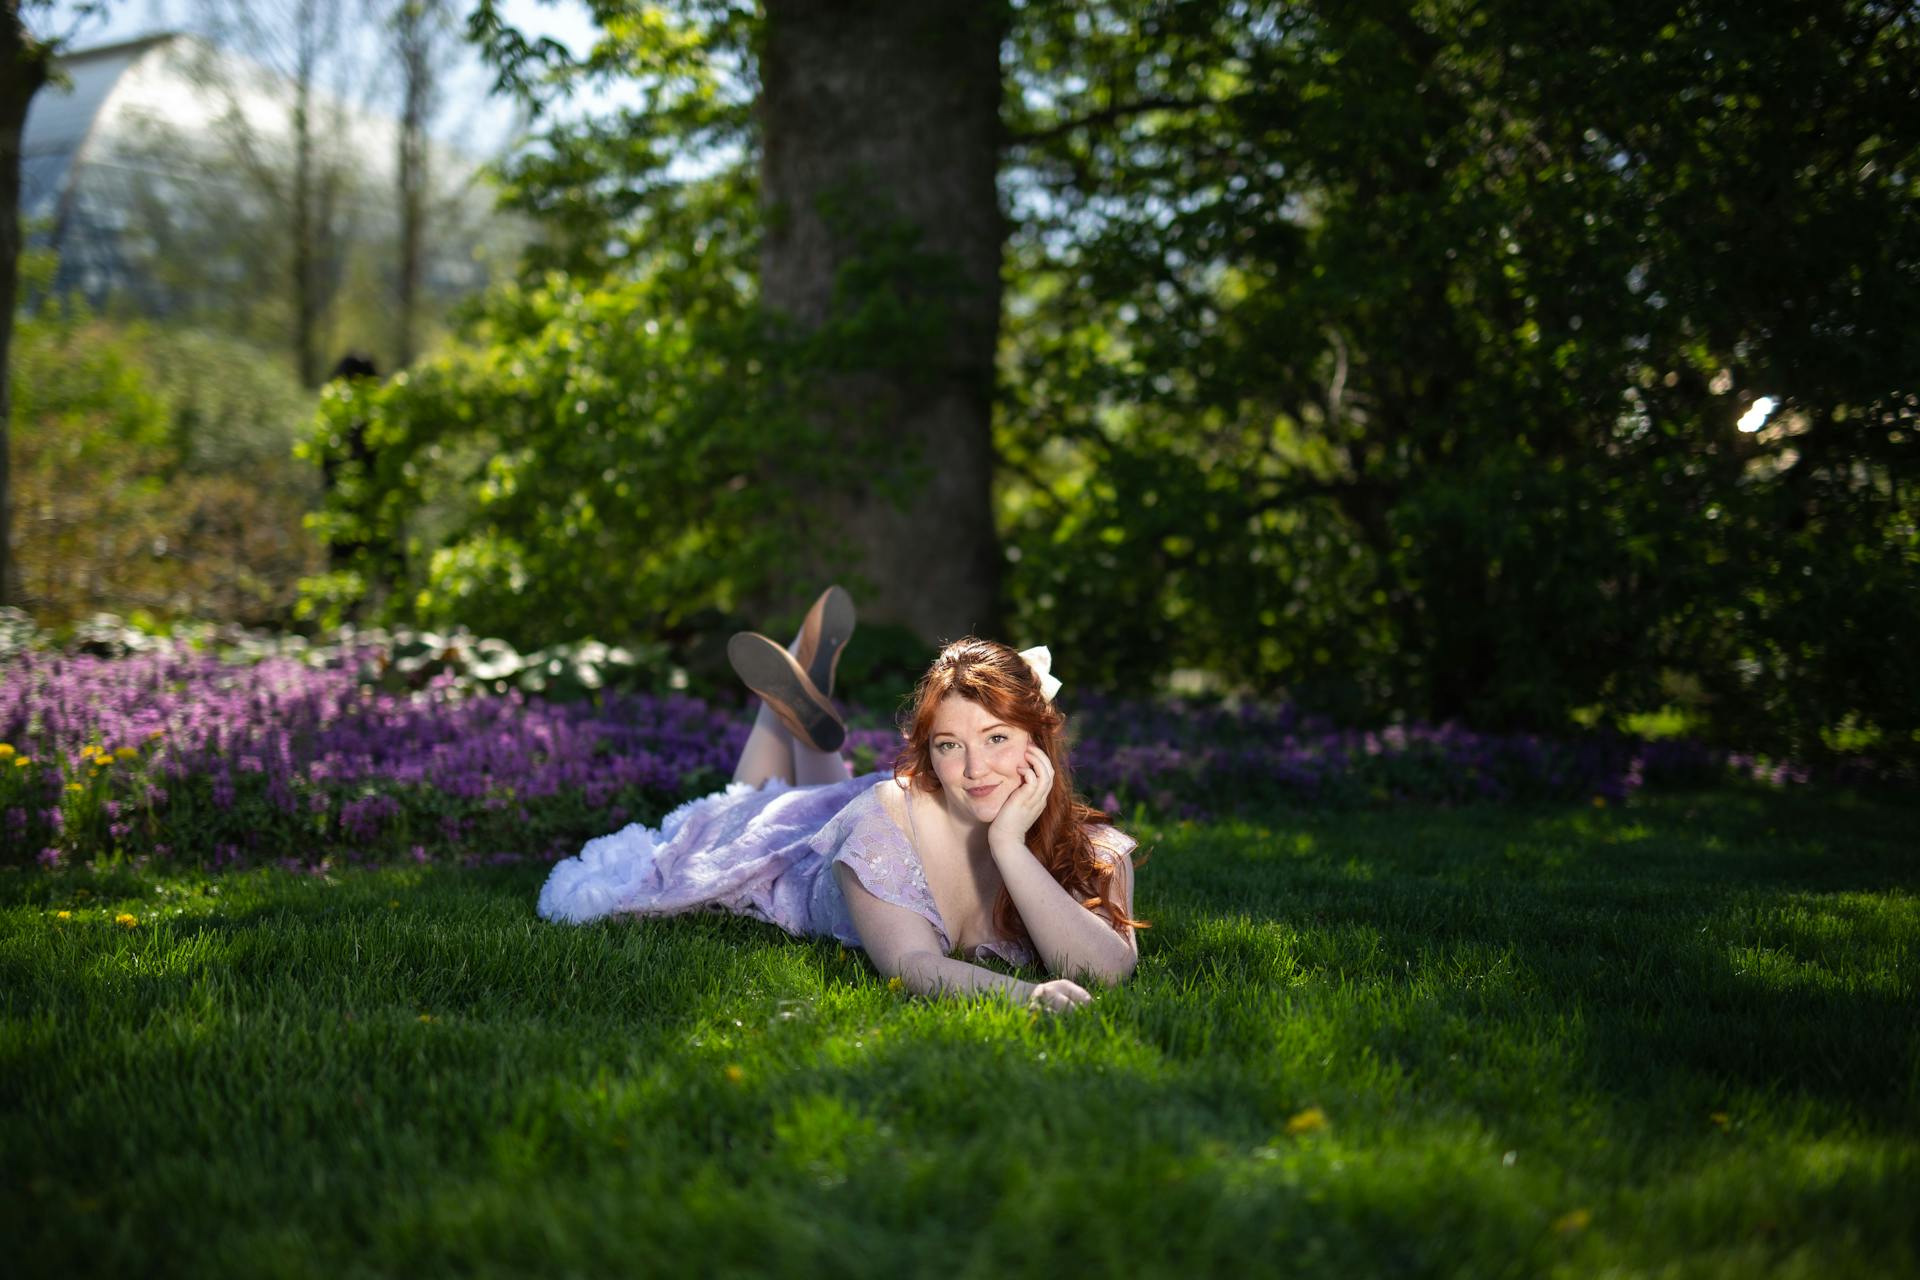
column 927, row 974
column 1073, row 941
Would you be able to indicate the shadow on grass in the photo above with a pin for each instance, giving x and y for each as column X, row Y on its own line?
column 707, row 1088
column 1675, row 952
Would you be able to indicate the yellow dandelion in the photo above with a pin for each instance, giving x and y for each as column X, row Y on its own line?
column 1312, row 1120
column 894, row 984
column 63, row 915
column 1721, row 1119
column 1599, row 802
column 735, row 1074
column 1568, row 1223
column 126, row 753
column 6, row 749
column 126, row 920
column 74, row 786
column 21, row 762
column 427, row 1017
column 392, row 903
column 157, row 733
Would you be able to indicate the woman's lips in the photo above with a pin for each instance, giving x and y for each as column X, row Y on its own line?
column 981, row 793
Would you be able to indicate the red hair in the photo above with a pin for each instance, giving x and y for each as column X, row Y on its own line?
column 998, row 679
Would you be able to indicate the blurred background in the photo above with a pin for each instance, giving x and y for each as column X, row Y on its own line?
column 1536, row 366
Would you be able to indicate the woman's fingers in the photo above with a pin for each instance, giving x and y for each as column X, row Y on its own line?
column 1060, row 995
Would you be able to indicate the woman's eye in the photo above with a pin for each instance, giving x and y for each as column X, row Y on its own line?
column 997, row 738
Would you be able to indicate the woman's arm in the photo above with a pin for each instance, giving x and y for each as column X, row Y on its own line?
column 902, row 944
column 1073, row 941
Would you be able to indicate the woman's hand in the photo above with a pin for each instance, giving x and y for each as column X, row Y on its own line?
column 1022, row 809
column 1058, row 996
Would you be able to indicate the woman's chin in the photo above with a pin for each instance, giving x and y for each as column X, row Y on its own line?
column 985, row 809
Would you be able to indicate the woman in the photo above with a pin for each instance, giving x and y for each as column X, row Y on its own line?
column 974, row 843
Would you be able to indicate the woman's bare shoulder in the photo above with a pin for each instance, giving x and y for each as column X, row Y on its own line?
column 891, row 795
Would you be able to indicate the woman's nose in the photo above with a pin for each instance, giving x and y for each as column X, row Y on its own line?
column 969, row 765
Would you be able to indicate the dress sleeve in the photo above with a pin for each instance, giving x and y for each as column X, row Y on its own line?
column 1111, row 842
column 863, row 837
column 1008, row 951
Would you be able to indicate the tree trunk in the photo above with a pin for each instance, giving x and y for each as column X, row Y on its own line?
column 23, row 69
column 878, row 116
column 413, row 43
column 306, row 302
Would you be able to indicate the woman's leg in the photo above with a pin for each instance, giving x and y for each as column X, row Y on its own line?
column 768, row 753
column 815, row 768
column 773, row 752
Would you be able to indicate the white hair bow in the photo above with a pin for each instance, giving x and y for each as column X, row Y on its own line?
column 1042, row 663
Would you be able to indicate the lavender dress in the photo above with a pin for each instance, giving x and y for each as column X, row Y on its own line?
column 765, row 852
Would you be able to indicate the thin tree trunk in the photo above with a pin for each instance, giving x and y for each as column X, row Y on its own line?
column 23, row 69
column 874, row 114
column 413, row 44
column 305, row 285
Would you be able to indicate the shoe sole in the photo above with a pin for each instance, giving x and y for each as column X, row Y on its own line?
column 836, row 628
column 771, row 672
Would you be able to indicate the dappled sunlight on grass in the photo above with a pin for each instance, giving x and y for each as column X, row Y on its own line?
column 1356, row 1044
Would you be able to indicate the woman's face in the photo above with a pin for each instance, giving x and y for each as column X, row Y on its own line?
column 976, row 756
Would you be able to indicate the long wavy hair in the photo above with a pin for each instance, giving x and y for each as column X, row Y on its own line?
column 999, row 680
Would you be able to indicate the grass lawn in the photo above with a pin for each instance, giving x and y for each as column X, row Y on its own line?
column 1678, row 1037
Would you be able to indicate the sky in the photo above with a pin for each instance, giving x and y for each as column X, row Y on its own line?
column 468, row 120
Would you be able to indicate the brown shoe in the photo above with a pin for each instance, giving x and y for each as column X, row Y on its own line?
column 771, row 672
column 823, row 635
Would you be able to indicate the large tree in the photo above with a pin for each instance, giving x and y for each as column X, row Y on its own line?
column 26, row 64
column 837, row 267
column 879, row 153
column 24, row 60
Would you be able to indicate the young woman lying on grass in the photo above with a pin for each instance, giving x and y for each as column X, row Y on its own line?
column 974, row 844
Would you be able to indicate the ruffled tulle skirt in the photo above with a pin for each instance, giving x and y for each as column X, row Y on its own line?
column 744, row 849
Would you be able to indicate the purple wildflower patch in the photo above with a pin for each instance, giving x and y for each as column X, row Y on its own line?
column 173, row 754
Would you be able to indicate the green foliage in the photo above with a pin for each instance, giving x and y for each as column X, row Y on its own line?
column 587, row 435
column 1387, row 355
column 151, row 473
column 606, row 194
column 230, row 405
column 623, row 443
column 580, row 461
column 1392, row 355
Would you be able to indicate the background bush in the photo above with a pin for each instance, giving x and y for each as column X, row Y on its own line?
column 153, row 474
